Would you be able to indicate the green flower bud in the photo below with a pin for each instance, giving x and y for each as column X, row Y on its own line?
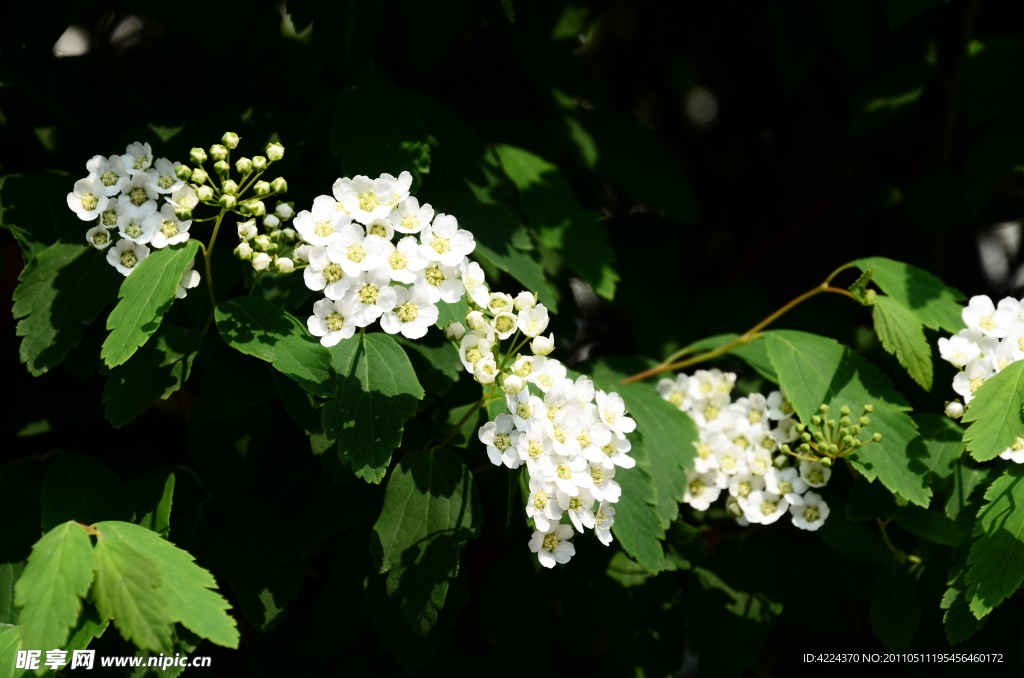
column 816, row 420
column 262, row 187
column 259, row 163
column 229, row 187
column 847, row 441
column 877, row 437
column 855, row 429
column 183, row 213
column 826, row 461
column 818, row 436
column 833, row 449
column 276, row 236
column 870, row 296
column 869, row 408
column 801, row 427
column 289, row 234
column 831, row 423
column 218, row 152
column 844, row 410
column 227, row 201
column 843, row 431
column 804, row 448
column 275, row 151
column 279, row 185
column 198, row 156
column 244, row 251
column 222, row 168
column 780, row 462
column 824, row 409
column 230, row 139
column 204, row 193
column 806, row 437
column 270, row 222
column 183, row 172
column 786, row 449
column 845, row 421
column 262, row 242
column 857, row 443
column 257, row 208
column 243, row 165
column 200, row 176
column 864, row 421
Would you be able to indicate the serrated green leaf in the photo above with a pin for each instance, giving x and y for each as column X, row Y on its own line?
column 859, row 288
column 153, row 493
column 901, row 334
column 377, row 391
column 431, row 509
column 187, row 588
column 964, row 485
column 10, row 643
column 996, row 414
column 933, row 526
column 9, row 574
column 754, row 353
column 815, row 370
column 35, row 212
column 930, row 299
column 78, row 487
column 996, row 562
column 55, row 579
column 256, row 327
column 637, row 526
column 145, row 296
column 157, row 370
column 895, row 607
column 55, row 304
column 943, row 440
column 959, row 621
column 127, row 590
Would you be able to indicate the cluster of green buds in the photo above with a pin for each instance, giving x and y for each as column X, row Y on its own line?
column 826, row 440
column 219, row 190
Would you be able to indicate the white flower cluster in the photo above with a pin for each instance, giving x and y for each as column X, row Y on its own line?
column 569, row 435
column 365, row 276
column 740, row 452
column 992, row 340
column 122, row 194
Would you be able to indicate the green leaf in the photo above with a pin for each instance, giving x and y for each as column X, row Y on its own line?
column 145, row 296
column 56, row 578
column 371, row 134
column 943, row 440
column 186, row 587
column 551, row 206
column 154, row 495
column 754, row 353
column 127, row 590
column 10, row 643
column 815, row 370
column 35, row 212
column 157, row 370
column 859, row 288
column 895, row 608
column 995, row 410
column 55, row 304
column 510, row 12
column 452, row 313
column 9, row 575
column 437, row 367
column 965, row 481
column 299, row 404
column 930, row 299
column 256, row 327
column 377, row 392
column 959, row 621
column 933, row 526
column 431, row 509
column 637, row 526
column 996, row 562
column 901, row 334
column 852, row 540
column 78, row 487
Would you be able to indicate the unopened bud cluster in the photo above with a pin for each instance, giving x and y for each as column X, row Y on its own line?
column 992, row 341
column 826, row 440
column 741, row 453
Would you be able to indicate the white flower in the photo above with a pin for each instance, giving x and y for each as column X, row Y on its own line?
column 778, row 406
column 261, row 262
column 472, row 349
column 137, row 157
column 324, row 274
column 533, row 321
column 955, row 409
column 701, row 490
column 485, row 371
column 550, row 374
column 603, row 521
column 743, row 484
column 542, row 346
column 524, row 407
column 440, row 282
column 1015, row 453
column 88, row 198
column 412, row 315
column 380, row 227
column 399, row 186
column 504, row 325
column 764, row 507
column 184, row 198
column 541, row 504
column 189, row 280
column 108, row 217
column 134, row 223
column 676, row 391
column 512, row 384
column 331, row 321
column 109, row 170
column 301, row 253
column 501, row 439
column 535, row 446
column 980, row 313
column 167, row 228
column 455, row 331
column 364, row 198
column 476, row 320
column 370, row 296
column 98, row 237
column 445, row 242
column 324, row 224
column 706, row 459
column 713, row 412
column 409, row 217
column 126, row 255
column 569, row 474
column 355, row 251
column 812, row 514
column 270, row 222
column 498, row 302
column 616, row 452
column 611, row 409
column 604, row 486
column 284, row 265
column 404, row 260
column 553, row 546
column 786, row 483
column 247, row 230
column 958, row 350
column 473, row 280
column 814, row 474
column 580, row 508
column 163, row 176
column 970, row 380
column 524, row 300
column 138, row 190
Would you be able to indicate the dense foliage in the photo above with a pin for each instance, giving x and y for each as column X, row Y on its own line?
column 275, row 422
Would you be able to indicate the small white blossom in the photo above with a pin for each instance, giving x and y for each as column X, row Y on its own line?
column 553, row 546
column 126, row 255
column 412, row 314
column 502, row 439
column 167, row 228
column 331, row 321
column 324, row 224
column 109, row 171
column 189, row 280
column 410, row 217
column 88, row 198
column 163, row 177
column 533, row 321
column 812, row 514
column 443, row 241
column 137, row 158
column 99, row 237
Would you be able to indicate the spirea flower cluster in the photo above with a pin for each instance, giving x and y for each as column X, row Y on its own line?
column 570, row 435
column 121, row 198
column 377, row 254
column 743, row 452
column 992, row 340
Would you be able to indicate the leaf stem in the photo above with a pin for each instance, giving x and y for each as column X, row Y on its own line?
column 745, row 338
column 207, row 256
column 896, row 553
